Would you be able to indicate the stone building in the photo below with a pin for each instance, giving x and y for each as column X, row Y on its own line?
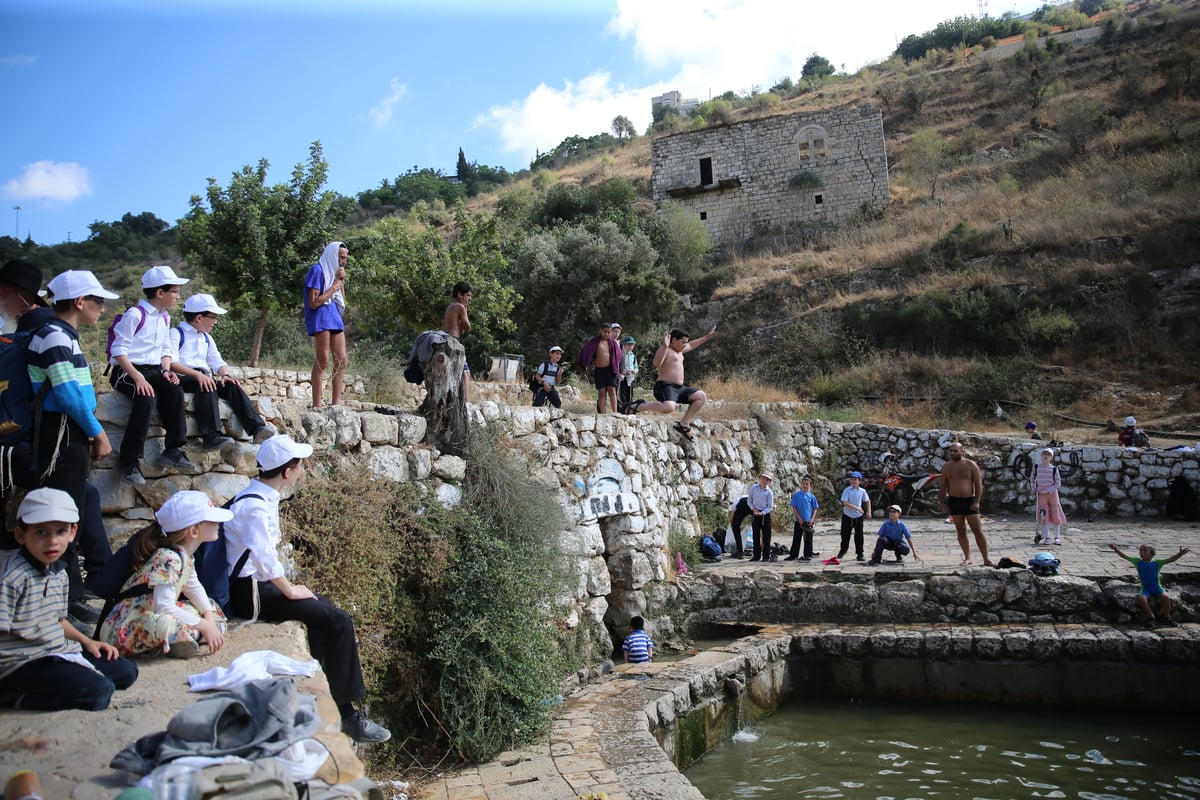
column 776, row 173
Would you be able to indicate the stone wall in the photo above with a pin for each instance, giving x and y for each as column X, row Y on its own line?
column 772, row 173
column 625, row 482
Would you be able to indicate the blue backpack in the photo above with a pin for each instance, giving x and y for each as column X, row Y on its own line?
column 20, row 410
column 709, row 547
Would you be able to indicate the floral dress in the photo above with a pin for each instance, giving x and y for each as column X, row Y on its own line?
column 135, row 627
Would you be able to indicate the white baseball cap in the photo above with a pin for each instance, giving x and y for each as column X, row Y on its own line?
column 185, row 509
column 1130, row 422
column 47, row 505
column 76, row 283
column 556, row 348
column 161, row 276
column 279, row 450
column 199, row 303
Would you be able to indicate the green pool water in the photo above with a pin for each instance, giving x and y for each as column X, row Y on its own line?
column 879, row 749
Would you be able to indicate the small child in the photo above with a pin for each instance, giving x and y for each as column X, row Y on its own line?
column 856, row 505
column 45, row 663
column 638, row 647
column 804, row 508
column 1148, row 569
column 629, row 371
column 159, row 620
column 1045, row 482
column 895, row 536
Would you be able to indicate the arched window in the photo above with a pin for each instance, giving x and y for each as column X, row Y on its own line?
column 811, row 144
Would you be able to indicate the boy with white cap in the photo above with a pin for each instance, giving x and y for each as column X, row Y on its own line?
column 68, row 436
column 255, row 528
column 549, row 373
column 45, row 663
column 202, row 370
column 143, row 351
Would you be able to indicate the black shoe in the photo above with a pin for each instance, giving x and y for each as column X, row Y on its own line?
column 737, row 556
column 899, row 559
column 132, row 475
column 363, row 730
column 813, row 554
column 175, row 459
column 873, row 563
column 214, row 441
column 83, row 612
column 772, row 559
column 754, row 558
column 859, row 557
column 805, row 558
column 792, row 558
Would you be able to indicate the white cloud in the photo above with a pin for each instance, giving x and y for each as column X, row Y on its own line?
column 547, row 115
column 382, row 111
column 50, row 180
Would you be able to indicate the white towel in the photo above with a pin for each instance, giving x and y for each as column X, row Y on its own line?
column 253, row 666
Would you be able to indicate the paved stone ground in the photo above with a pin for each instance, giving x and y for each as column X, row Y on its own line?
column 569, row 764
column 1084, row 551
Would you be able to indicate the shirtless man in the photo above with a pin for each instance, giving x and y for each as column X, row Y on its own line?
column 669, row 389
column 960, row 491
column 456, row 323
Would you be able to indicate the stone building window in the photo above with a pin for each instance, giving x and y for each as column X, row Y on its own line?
column 818, row 200
column 810, row 143
column 706, row 174
column 703, row 215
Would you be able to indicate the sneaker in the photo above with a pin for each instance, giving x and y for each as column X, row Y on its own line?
column 831, row 561
column 132, row 475
column 214, row 441
column 83, row 612
column 363, row 730
column 873, row 563
column 1058, row 540
column 184, row 648
column 265, row 432
column 175, row 458
column 805, row 558
column 859, row 557
column 754, row 558
column 738, row 556
column 792, row 558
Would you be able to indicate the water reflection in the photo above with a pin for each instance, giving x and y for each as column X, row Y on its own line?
column 894, row 750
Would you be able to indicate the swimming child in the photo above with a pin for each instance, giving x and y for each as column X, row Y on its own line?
column 1044, row 482
column 1148, row 569
column 159, row 619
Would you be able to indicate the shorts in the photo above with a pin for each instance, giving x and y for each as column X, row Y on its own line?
column 960, row 506
column 673, row 392
column 1155, row 592
column 606, row 377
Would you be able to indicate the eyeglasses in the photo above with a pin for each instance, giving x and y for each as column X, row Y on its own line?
column 208, row 315
column 97, row 300
column 172, row 290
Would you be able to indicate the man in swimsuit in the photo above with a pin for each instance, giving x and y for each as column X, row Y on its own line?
column 960, row 491
column 456, row 323
column 669, row 389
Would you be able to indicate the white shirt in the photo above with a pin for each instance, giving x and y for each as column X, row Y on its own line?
column 761, row 499
column 147, row 346
column 198, row 350
column 255, row 526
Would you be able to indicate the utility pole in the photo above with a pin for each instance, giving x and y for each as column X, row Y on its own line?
column 18, row 229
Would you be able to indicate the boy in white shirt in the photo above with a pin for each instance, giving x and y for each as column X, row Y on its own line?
column 143, row 352
column 202, row 370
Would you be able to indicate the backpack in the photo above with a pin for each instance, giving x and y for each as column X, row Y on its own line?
column 413, row 372
column 112, row 332
column 182, row 335
column 1044, row 564
column 20, row 411
column 709, row 547
column 211, row 566
column 261, row 779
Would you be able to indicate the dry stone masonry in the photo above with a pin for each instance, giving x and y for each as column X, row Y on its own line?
column 776, row 173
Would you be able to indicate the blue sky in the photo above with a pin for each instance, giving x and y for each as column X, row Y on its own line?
column 131, row 105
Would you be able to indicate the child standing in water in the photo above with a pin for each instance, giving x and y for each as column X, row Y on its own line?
column 157, row 619
column 1045, row 482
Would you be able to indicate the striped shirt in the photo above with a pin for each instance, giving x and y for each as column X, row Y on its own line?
column 33, row 600
column 637, row 647
column 54, row 355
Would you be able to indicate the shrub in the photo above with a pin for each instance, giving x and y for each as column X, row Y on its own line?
column 804, row 180
column 678, row 541
column 831, row 388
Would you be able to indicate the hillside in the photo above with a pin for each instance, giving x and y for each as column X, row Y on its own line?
column 1041, row 250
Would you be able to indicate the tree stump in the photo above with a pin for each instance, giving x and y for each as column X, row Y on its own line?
column 444, row 408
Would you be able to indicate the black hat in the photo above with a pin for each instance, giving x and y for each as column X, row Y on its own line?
column 24, row 276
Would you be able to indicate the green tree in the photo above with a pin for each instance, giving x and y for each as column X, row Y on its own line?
column 463, row 169
column 622, row 128
column 682, row 244
column 816, row 68
column 927, row 157
column 253, row 242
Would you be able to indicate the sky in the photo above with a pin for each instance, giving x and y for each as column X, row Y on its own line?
column 119, row 106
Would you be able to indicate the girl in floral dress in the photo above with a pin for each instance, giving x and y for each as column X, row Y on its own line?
column 1045, row 482
column 160, row 619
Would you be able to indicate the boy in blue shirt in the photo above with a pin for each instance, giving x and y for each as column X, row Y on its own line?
column 1148, row 569
column 804, row 507
column 638, row 647
column 895, row 536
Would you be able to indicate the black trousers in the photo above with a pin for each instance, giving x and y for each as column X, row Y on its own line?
column 624, row 393
column 169, row 400
column 740, row 512
column 847, row 525
column 52, row 684
column 762, row 536
column 540, row 398
column 801, row 534
column 330, row 632
column 208, row 410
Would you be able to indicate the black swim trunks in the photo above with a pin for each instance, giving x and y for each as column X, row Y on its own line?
column 960, row 506
column 673, row 392
column 606, row 377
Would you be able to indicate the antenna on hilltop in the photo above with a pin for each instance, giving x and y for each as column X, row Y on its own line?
column 982, row 8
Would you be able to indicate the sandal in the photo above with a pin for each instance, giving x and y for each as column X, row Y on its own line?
column 633, row 407
column 684, row 431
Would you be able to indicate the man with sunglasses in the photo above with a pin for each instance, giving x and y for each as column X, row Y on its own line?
column 202, row 370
